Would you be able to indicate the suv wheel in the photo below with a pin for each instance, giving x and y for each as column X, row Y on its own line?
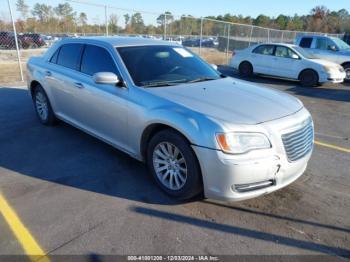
column 174, row 165
column 308, row 78
column 43, row 107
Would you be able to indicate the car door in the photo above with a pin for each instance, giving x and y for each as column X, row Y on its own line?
column 261, row 59
column 101, row 108
column 286, row 62
column 322, row 49
column 61, row 75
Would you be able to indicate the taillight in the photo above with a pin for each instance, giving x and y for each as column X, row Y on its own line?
column 233, row 53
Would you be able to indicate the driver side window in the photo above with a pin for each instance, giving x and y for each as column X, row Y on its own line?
column 96, row 59
column 324, row 44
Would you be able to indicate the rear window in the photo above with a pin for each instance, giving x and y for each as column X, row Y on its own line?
column 306, row 42
column 97, row 59
column 264, row 50
column 69, row 55
column 55, row 56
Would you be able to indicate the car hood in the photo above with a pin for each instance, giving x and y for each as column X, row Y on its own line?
column 324, row 62
column 344, row 52
column 231, row 100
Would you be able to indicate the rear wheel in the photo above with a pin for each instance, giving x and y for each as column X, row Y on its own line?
column 174, row 165
column 43, row 107
column 245, row 69
column 308, row 78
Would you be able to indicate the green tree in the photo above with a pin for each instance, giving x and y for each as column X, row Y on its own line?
column 113, row 23
column 82, row 20
column 282, row 21
column 43, row 12
column 262, row 20
column 137, row 23
column 23, row 8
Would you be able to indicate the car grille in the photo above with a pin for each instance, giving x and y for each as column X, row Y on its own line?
column 299, row 143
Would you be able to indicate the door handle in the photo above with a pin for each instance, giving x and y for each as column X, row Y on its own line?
column 79, row 85
column 48, row 73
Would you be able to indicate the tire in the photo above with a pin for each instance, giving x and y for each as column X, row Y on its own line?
column 245, row 69
column 43, row 107
column 347, row 71
column 178, row 165
column 308, row 78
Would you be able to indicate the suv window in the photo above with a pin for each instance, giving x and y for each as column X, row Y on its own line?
column 323, row 43
column 264, row 50
column 285, row 52
column 69, row 55
column 97, row 59
column 306, row 42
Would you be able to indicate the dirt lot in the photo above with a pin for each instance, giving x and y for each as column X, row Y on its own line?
column 77, row 195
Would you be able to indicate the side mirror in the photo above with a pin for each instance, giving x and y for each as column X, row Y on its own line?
column 106, row 78
column 295, row 56
column 214, row 66
column 332, row 47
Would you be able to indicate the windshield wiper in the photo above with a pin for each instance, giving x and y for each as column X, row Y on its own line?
column 162, row 83
column 202, row 79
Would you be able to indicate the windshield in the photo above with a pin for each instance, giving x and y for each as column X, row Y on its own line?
column 165, row 65
column 303, row 52
column 340, row 43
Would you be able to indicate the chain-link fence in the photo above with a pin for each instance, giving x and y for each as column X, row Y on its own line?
column 24, row 34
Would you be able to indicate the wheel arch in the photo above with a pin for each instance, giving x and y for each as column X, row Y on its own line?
column 347, row 63
column 246, row 61
column 309, row 69
column 32, row 86
column 151, row 130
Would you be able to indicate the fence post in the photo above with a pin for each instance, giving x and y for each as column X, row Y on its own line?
column 165, row 26
column 268, row 35
column 106, row 20
column 228, row 42
column 201, row 37
column 251, row 34
column 282, row 36
column 16, row 42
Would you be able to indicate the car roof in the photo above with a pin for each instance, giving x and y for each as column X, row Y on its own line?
column 282, row 44
column 118, row 41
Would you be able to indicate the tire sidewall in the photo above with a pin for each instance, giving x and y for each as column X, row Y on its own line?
column 346, row 68
column 308, row 83
column 193, row 185
column 50, row 115
column 245, row 69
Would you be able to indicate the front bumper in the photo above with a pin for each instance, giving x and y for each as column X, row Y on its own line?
column 224, row 179
column 332, row 77
column 259, row 172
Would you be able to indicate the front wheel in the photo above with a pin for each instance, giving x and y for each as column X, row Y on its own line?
column 174, row 165
column 347, row 71
column 308, row 78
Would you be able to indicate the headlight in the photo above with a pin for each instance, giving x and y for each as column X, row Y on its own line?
column 329, row 69
column 239, row 143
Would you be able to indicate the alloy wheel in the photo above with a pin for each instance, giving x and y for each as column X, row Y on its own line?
column 41, row 105
column 170, row 165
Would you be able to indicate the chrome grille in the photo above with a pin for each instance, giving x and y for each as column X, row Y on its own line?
column 299, row 143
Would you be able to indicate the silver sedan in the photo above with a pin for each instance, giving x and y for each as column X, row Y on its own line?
column 197, row 130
